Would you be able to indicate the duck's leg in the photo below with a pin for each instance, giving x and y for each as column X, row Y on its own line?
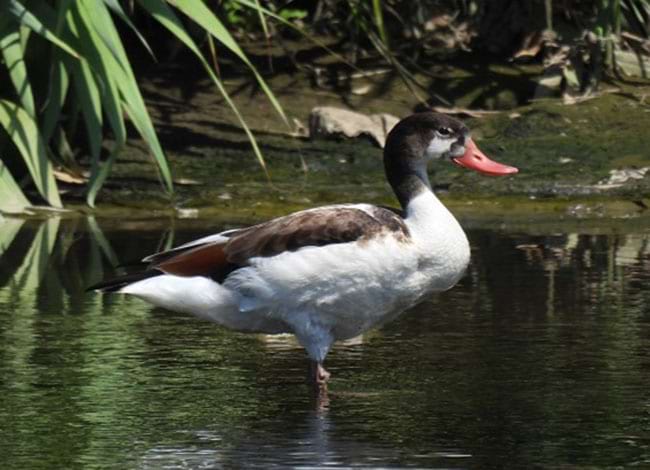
column 318, row 375
column 317, row 340
column 318, row 378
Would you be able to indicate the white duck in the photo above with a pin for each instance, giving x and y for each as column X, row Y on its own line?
column 333, row 272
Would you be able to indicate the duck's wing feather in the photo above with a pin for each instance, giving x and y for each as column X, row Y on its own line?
column 219, row 255
column 220, row 237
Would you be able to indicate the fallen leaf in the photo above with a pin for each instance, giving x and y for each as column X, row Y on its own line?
column 68, row 177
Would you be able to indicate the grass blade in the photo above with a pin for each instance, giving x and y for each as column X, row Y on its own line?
column 92, row 25
column 130, row 96
column 23, row 131
column 117, row 90
column 379, row 21
column 87, row 90
column 14, row 56
column 28, row 19
column 199, row 13
column 58, row 82
column 165, row 15
column 58, row 89
column 115, row 6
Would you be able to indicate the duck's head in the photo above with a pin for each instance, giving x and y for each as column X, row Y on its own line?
column 424, row 137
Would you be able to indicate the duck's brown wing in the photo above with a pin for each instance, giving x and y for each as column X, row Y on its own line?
column 314, row 227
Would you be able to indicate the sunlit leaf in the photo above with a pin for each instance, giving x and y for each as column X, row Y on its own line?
column 379, row 20
column 87, row 90
column 161, row 12
column 26, row 18
column 13, row 54
column 131, row 97
column 23, row 132
column 108, row 70
column 201, row 15
column 117, row 89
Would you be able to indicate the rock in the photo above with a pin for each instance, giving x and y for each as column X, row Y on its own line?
column 632, row 63
column 187, row 213
column 620, row 177
column 327, row 121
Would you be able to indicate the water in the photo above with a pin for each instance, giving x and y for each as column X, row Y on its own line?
column 539, row 358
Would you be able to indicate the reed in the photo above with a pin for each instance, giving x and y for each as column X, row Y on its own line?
column 90, row 80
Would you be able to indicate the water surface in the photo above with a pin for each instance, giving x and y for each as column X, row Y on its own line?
column 539, row 358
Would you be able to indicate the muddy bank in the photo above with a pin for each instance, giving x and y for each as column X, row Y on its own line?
column 565, row 154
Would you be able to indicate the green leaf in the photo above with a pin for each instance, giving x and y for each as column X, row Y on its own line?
column 107, row 66
column 87, row 90
column 131, row 98
column 115, row 6
column 90, row 25
column 22, row 130
column 262, row 18
column 12, row 199
column 379, row 21
column 113, row 89
column 13, row 53
column 198, row 12
column 28, row 19
column 58, row 76
column 165, row 15
column 57, row 90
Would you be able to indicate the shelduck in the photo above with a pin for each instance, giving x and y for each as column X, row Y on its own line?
column 332, row 272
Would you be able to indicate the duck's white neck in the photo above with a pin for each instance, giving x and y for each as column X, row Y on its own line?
column 438, row 237
column 426, row 214
column 422, row 202
column 425, row 206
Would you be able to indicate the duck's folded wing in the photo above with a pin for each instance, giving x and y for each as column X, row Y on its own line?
column 218, row 257
column 220, row 237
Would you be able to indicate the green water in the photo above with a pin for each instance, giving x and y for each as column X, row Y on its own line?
column 539, row 358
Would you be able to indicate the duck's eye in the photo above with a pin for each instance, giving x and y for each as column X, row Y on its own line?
column 444, row 131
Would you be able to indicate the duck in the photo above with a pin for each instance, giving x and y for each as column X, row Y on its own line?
column 333, row 272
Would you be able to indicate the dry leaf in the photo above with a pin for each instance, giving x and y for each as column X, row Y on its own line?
column 68, row 177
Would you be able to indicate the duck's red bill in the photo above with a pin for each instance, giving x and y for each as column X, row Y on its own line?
column 476, row 160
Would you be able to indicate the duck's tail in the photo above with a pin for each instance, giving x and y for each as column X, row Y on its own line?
column 116, row 284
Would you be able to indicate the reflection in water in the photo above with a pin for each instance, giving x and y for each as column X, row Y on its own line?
column 540, row 356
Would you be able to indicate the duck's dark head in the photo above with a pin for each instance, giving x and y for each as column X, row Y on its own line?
column 424, row 137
